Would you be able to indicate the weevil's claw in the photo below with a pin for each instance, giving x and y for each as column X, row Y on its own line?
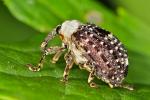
column 64, row 80
column 33, row 68
column 53, row 61
column 93, row 85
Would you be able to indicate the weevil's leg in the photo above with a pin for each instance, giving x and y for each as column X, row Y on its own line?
column 58, row 54
column 91, row 78
column 50, row 36
column 44, row 45
column 127, row 86
column 69, row 63
column 110, row 85
column 51, row 50
column 39, row 66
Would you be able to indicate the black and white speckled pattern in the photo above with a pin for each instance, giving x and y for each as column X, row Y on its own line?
column 104, row 52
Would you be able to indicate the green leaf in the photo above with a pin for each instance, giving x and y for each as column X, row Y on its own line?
column 18, row 83
column 45, row 14
column 139, row 9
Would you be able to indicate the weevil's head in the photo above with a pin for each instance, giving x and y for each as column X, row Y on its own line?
column 67, row 29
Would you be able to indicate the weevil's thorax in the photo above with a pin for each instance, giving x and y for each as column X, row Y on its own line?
column 103, row 51
column 67, row 29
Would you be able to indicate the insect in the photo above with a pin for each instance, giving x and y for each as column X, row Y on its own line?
column 91, row 48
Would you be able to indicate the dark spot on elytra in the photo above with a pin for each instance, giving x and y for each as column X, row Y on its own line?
column 77, row 36
column 85, row 48
column 104, row 58
column 115, row 56
column 84, row 37
column 110, row 47
column 95, row 37
column 90, row 43
column 126, row 71
column 102, row 31
column 109, row 65
column 119, row 63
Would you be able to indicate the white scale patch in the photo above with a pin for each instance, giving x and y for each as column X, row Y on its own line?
column 69, row 27
column 77, row 54
column 126, row 62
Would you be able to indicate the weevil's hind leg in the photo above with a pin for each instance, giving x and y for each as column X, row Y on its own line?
column 69, row 63
column 91, row 78
column 127, row 86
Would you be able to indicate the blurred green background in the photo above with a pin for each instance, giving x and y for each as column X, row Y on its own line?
column 25, row 23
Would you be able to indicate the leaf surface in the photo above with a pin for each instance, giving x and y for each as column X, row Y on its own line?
column 18, row 83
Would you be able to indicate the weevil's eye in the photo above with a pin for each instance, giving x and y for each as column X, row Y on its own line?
column 58, row 29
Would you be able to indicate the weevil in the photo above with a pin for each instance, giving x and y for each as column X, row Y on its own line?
column 91, row 48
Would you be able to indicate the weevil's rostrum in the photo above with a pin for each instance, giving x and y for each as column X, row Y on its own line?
column 93, row 49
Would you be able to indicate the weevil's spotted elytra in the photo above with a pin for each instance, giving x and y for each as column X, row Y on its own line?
column 92, row 48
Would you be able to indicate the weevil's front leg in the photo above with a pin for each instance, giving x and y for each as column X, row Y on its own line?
column 44, row 49
column 69, row 63
column 39, row 66
column 91, row 78
column 51, row 50
column 49, row 37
